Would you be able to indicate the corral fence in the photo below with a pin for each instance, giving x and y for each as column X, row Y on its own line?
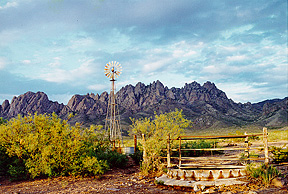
column 214, row 161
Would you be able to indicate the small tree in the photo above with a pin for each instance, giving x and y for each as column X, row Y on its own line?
column 156, row 131
column 47, row 145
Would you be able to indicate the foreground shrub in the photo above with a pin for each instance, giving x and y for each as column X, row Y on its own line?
column 280, row 154
column 156, row 132
column 263, row 173
column 45, row 145
column 137, row 156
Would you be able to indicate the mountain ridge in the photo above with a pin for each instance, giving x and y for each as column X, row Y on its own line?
column 206, row 106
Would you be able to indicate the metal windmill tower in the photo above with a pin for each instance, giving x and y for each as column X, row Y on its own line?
column 112, row 123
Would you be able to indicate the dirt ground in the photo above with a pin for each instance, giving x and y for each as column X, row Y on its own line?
column 125, row 181
column 119, row 181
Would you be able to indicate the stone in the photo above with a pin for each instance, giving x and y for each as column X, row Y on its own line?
column 277, row 182
column 196, row 188
column 252, row 192
column 202, row 187
column 112, row 189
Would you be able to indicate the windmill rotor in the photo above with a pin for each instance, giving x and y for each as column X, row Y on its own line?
column 112, row 69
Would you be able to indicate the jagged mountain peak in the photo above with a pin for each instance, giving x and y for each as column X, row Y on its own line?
column 205, row 105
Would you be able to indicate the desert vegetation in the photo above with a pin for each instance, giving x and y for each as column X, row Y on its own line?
column 262, row 173
column 154, row 132
column 43, row 145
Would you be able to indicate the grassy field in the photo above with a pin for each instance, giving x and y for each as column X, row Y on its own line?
column 278, row 134
column 273, row 134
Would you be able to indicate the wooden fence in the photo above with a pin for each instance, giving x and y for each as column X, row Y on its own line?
column 194, row 162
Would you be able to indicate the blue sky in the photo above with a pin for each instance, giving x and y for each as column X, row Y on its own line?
column 60, row 47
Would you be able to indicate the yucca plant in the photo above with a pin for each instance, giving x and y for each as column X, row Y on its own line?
column 263, row 173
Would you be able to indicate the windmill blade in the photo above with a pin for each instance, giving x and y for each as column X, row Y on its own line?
column 112, row 69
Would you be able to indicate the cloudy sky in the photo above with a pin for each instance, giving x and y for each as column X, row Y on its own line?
column 60, row 47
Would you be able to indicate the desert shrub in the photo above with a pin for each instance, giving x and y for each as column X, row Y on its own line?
column 160, row 182
column 12, row 166
column 263, row 173
column 280, row 154
column 45, row 145
column 17, row 169
column 252, row 154
column 114, row 159
column 92, row 166
column 198, row 144
column 156, row 131
column 2, row 121
column 4, row 161
column 137, row 156
column 253, row 138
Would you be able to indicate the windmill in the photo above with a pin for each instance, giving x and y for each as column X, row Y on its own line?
column 112, row 123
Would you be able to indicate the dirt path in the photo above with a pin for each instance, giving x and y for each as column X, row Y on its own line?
column 117, row 181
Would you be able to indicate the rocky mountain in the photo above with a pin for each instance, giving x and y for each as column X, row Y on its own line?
column 206, row 106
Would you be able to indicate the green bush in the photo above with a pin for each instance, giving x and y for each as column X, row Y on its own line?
column 4, row 161
column 2, row 121
column 137, row 156
column 156, row 131
column 17, row 170
column 198, row 144
column 263, row 173
column 113, row 158
column 45, row 145
column 279, row 154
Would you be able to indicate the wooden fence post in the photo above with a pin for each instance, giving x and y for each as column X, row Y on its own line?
column 168, row 152
column 113, row 145
column 265, row 141
column 144, row 149
column 247, row 146
column 179, row 151
column 135, row 143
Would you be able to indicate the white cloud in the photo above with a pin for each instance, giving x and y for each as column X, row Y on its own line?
column 236, row 58
column 3, row 63
column 154, row 66
column 241, row 92
column 98, row 87
column 6, row 97
column 9, row 5
column 9, row 36
column 82, row 43
column 212, row 69
column 230, row 48
column 56, row 62
column 26, row 61
column 154, row 40
column 236, row 31
column 58, row 75
column 61, row 98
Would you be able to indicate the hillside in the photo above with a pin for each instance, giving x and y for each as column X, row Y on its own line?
column 206, row 106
